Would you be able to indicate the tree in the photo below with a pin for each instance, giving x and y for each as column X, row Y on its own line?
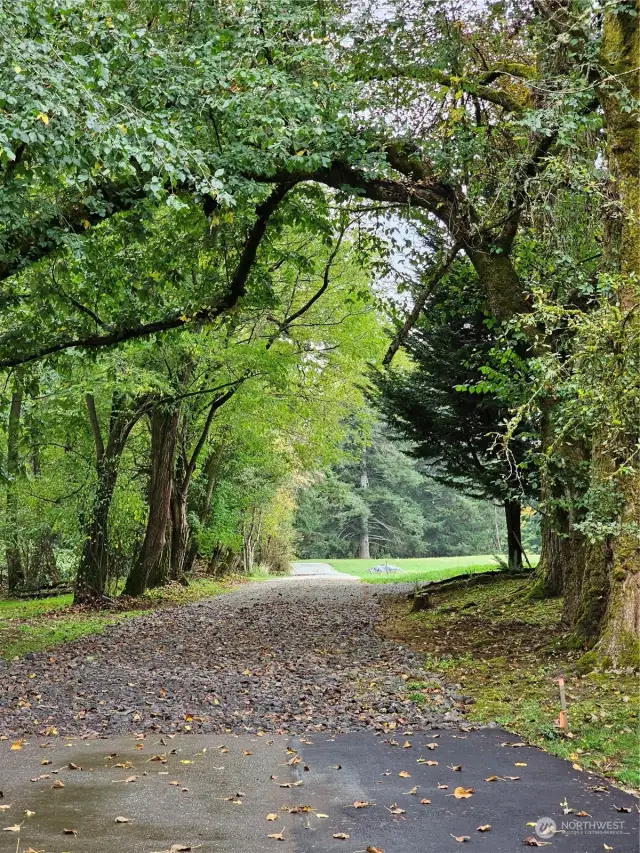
column 409, row 511
column 442, row 403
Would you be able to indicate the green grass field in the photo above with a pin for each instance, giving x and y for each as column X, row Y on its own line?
column 419, row 569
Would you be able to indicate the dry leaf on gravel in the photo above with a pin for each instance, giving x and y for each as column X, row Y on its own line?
column 272, row 816
column 461, row 838
column 277, row 836
column 404, row 775
column 58, row 784
column 484, row 828
column 342, row 836
column 425, row 802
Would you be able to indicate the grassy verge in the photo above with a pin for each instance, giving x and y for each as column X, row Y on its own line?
column 415, row 570
column 506, row 650
column 34, row 625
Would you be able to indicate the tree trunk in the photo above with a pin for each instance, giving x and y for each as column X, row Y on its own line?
column 211, row 470
column 93, row 568
column 512, row 511
column 180, row 534
column 46, row 570
column 15, row 570
column 164, row 433
column 616, row 566
column 364, row 552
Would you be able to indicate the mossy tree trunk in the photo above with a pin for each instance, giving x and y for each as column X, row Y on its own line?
column 618, row 561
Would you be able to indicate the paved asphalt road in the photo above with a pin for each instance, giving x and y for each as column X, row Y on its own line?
column 227, row 785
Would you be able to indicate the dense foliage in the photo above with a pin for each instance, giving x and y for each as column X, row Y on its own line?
column 196, row 198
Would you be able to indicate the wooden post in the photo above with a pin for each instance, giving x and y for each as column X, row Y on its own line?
column 564, row 723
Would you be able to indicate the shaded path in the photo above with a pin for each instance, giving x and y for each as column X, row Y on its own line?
column 256, row 666
column 290, row 656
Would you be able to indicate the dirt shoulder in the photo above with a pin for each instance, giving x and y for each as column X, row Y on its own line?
column 506, row 650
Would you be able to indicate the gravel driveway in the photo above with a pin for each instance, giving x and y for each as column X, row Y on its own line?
column 290, row 656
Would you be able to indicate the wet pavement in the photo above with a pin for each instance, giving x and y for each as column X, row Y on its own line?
column 215, row 793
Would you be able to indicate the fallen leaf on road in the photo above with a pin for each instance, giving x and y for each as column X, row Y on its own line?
column 462, row 793
column 16, row 745
column 374, row 850
column 121, row 819
column 414, row 790
column 272, row 816
column 425, row 802
column 512, row 778
column 484, row 828
column 290, row 784
column 277, row 836
column 14, row 828
column 73, row 766
column 491, row 779
column 461, row 838
column 4, row 808
column 533, row 842
column 406, row 745
column 361, row 804
column 341, row 835
column 69, row 831
column 45, row 761
column 404, row 774
column 431, row 745
column 520, row 764
column 442, row 787
column 454, row 766
column 622, row 808
column 58, row 784
column 395, row 809
column 28, row 813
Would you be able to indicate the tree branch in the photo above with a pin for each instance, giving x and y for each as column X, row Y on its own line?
column 432, row 280
column 95, row 427
column 206, row 314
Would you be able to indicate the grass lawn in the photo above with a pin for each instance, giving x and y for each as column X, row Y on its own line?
column 34, row 625
column 419, row 569
column 506, row 650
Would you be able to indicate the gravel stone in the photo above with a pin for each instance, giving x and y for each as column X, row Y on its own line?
column 289, row 655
